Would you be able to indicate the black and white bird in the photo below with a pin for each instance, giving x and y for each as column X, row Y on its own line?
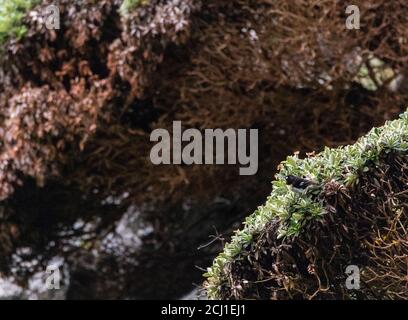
column 299, row 183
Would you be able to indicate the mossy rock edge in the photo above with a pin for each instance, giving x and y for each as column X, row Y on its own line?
column 293, row 213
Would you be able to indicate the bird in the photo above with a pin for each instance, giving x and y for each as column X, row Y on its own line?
column 299, row 183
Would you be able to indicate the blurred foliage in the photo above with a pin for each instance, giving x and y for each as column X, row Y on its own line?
column 11, row 15
column 128, row 5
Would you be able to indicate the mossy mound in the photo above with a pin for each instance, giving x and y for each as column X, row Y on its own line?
column 299, row 244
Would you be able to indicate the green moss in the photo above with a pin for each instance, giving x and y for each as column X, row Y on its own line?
column 11, row 16
column 294, row 209
column 128, row 5
column 12, row 13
